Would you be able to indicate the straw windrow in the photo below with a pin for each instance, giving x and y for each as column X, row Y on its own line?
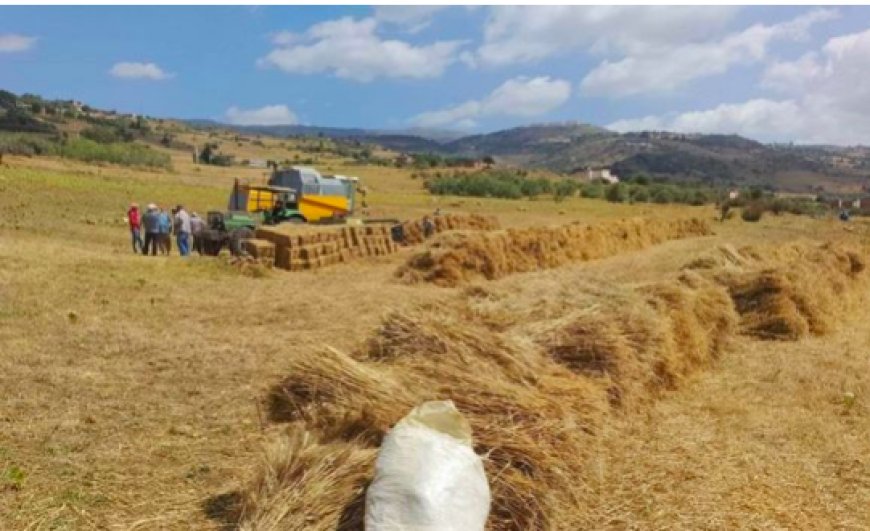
column 456, row 258
column 536, row 368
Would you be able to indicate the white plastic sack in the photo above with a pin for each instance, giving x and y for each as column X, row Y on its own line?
column 427, row 476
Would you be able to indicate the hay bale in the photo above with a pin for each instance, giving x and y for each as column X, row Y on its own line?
column 259, row 248
column 283, row 258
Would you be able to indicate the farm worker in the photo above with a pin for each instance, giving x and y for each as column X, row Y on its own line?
column 151, row 224
column 277, row 211
column 428, row 227
column 182, row 230
column 197, row 225
column 135, row 227
column 165, row 226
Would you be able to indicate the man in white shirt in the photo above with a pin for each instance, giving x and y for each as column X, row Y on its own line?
column 182, row 230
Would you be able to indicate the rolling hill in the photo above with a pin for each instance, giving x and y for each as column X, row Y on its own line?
column 727, row 160
column 568, row 148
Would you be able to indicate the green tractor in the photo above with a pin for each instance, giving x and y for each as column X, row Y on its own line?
column 227, row 229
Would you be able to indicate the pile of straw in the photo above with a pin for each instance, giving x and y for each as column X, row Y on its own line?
column 299, row 247
column 459, row 257
column 536, row 366
column 535, row 388
column 793, row 291
column 413, row 229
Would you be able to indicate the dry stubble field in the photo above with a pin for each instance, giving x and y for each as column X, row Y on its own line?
column 132, row 388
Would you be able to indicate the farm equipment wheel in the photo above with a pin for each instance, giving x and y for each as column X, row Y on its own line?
column 213, row 241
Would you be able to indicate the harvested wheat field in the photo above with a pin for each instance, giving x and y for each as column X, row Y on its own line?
column 680, row 375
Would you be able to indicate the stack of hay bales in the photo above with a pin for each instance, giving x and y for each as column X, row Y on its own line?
column 413, row 229
column 459, row 257
column 298, row 248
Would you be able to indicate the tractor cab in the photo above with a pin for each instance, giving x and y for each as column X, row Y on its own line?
column 274, row 203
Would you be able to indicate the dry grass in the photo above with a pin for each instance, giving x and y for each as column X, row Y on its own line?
column 456, row 258
column 774, row 438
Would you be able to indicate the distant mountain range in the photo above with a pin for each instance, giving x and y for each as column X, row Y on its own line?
column 729, row 160
column 571, row 147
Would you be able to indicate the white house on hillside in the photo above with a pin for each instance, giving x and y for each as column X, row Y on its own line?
column 602, row 174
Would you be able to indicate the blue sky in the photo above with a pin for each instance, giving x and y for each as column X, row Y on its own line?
column 774, row 73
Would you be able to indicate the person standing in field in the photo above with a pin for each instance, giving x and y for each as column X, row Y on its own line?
column 151, row 224
column 428, row 227
column 182, row 230
column 135, row 222
column 197, row 225
column 165, row 225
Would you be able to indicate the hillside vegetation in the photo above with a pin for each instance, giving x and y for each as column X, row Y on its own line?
column 722, row 160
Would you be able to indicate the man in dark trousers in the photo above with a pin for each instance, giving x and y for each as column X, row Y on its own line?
column 151, row 224
column 428, row 227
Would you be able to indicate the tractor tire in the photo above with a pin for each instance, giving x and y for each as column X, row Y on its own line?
column 213, row 241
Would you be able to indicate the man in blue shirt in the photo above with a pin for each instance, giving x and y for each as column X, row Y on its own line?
column 165, row 226
column 151, row 225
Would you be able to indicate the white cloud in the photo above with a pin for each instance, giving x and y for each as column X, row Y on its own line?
column 824, row 100
column 126, row 70
column 11, row 42
column 410, row 17
column 285, row 38
column 664, row 68
column 758, row 118
column 515, row 34
column 268, row 115
column 351, row 49
column 516, row 97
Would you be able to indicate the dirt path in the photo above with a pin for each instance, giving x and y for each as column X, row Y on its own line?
column 771, row 438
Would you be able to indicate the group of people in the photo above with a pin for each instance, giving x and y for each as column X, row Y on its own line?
column 158, row 226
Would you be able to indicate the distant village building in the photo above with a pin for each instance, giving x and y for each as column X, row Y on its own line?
column 601, row 174
column 257, row 163
column 733, row 194
column 404, row 160
column 860, row 204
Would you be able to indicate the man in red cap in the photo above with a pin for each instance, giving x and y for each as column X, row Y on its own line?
column 135, row 222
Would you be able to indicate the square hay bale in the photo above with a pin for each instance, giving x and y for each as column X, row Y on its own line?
column 259, row 248
column 282, row 258
column 275, row 235
column 308, row 252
